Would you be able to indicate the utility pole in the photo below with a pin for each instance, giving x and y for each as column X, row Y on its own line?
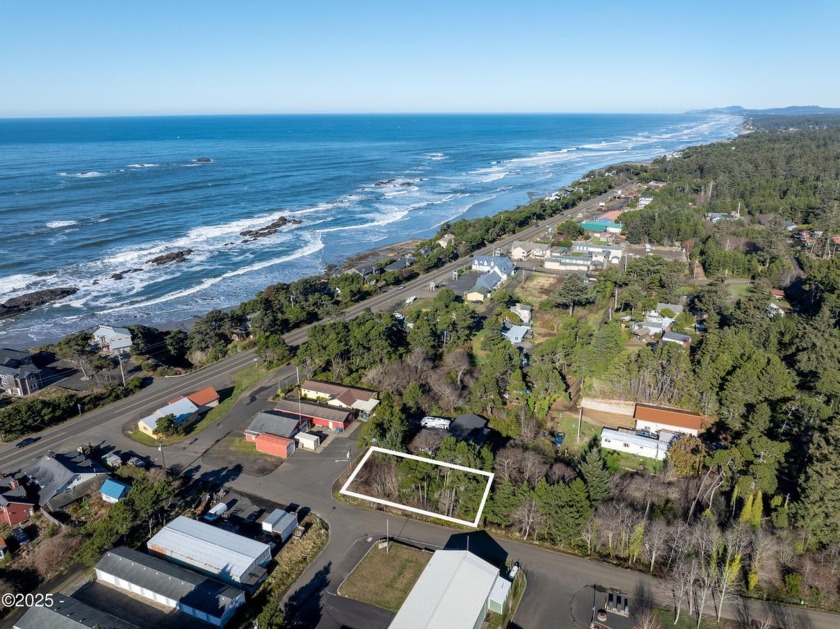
column 300, row 413
column 122, row 371
column 163, row 460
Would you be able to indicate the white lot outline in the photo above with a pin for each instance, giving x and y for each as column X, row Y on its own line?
column 422, row 459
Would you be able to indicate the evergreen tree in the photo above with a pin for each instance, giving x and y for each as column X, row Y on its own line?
column 819, row 502
column 503, row 502
column 595, row 475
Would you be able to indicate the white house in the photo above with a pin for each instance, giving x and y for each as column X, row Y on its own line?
column 600, row 252
column 656, row 315
column 522, row 311
column 486, row 264
column 634, row 443
column 524, row 250
column 446, row 240
column 112, row 340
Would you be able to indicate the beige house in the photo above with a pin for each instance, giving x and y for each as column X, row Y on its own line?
column 525, row 250
column 340, row 396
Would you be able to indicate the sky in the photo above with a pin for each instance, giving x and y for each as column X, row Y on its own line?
column 159, row 57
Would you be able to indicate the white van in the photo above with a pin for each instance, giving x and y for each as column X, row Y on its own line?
column 411, row 300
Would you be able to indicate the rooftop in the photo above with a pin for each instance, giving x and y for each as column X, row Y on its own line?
column 53, row 471
column 329, row 413
column 114, row 488
column 67, row 612
column 451, row 592
column 170, row 581
column 669, row 416
column 207, row 547
column 205, row 396
column 275, row 423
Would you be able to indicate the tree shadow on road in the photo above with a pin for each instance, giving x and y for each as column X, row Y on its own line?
column 304, row 608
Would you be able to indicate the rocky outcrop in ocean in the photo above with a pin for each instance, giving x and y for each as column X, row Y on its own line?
column 121, row 274
column 268, row 230
column 175, row 256
column 24, row 303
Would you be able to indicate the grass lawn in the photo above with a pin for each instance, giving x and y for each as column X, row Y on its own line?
column 633, row 462
column 737, row 291
column 244, row 446
column 567, row 424
column 690, row 622
column 536, row 288
column 243, row 380
column 385, row 578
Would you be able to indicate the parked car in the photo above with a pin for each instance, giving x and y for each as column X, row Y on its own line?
column 20, row 536
column 136, row 461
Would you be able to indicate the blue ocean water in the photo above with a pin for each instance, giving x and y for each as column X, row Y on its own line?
column 82, row 199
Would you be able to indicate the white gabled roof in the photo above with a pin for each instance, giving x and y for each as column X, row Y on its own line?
column 209, row 548
column 451, row 592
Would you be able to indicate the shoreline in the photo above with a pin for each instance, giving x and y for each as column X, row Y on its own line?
column 397, row 249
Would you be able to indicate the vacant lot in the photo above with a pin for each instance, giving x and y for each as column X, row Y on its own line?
column 385, row 577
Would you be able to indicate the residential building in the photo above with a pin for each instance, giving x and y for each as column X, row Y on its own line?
column 18, row 376
column 634, row 443
column 527, row 250
column 522, row 311
column 716, row 217
column 329, row 417
column 15, row 505
column 169, row 585
column 600, row 252
column 366, row 271
column 113, row 490
column 59, row 479
column 486, row 264
column 340, row 396
column 212, row 551
column 477, row 294
column 183, row 409
column 112, row 340
column 676, row 337
column 774, row 310
column 280, row 523
column 67, row 612
column 656, row 418
column 644, row 202
column 515, row 333
column 609, row 217
column 401, row 264
column 570, row 262
column 276, row 423
column 205, row 399
column 446, row 241
column 777, row 294
column 452, row 591
column 275, row 445
column 471, row 428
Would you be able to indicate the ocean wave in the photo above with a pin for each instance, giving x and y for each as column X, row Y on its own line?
column 18, row 282
column 83, row 175
column 437, row 157
column 314, row 246
column 142, row 165
column 60, row 224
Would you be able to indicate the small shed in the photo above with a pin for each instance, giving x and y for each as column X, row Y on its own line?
column 113, row 490
column 280, row 523
column 308, row 441
column 499, row 595
column 275, row 445
column 112, row 460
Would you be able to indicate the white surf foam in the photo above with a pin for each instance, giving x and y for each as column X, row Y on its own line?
column 315, row 245
column 84, row 175
column 60, row 224
column 142, row 165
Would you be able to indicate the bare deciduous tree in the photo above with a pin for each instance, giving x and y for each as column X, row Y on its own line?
column 426, row 442
column 527, row 517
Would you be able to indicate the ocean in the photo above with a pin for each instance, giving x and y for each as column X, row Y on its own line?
column 84, row 199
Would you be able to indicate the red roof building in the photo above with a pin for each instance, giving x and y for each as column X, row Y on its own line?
column 15, row 505
column 329, row 417
column 275, row 445
column 656, row 418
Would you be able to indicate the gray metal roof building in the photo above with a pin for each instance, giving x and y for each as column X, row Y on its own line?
column 452, row 591
column 165, row 583
column 69, row 613
column 274, row 423
column 218, row 553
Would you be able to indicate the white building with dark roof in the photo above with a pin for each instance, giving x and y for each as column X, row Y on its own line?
column 452, row 591
column 166, row 584
column 18, row 376
column 112, row 340
column 213, row 551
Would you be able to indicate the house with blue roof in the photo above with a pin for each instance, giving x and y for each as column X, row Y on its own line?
column 113, row 490
column 184, row 410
